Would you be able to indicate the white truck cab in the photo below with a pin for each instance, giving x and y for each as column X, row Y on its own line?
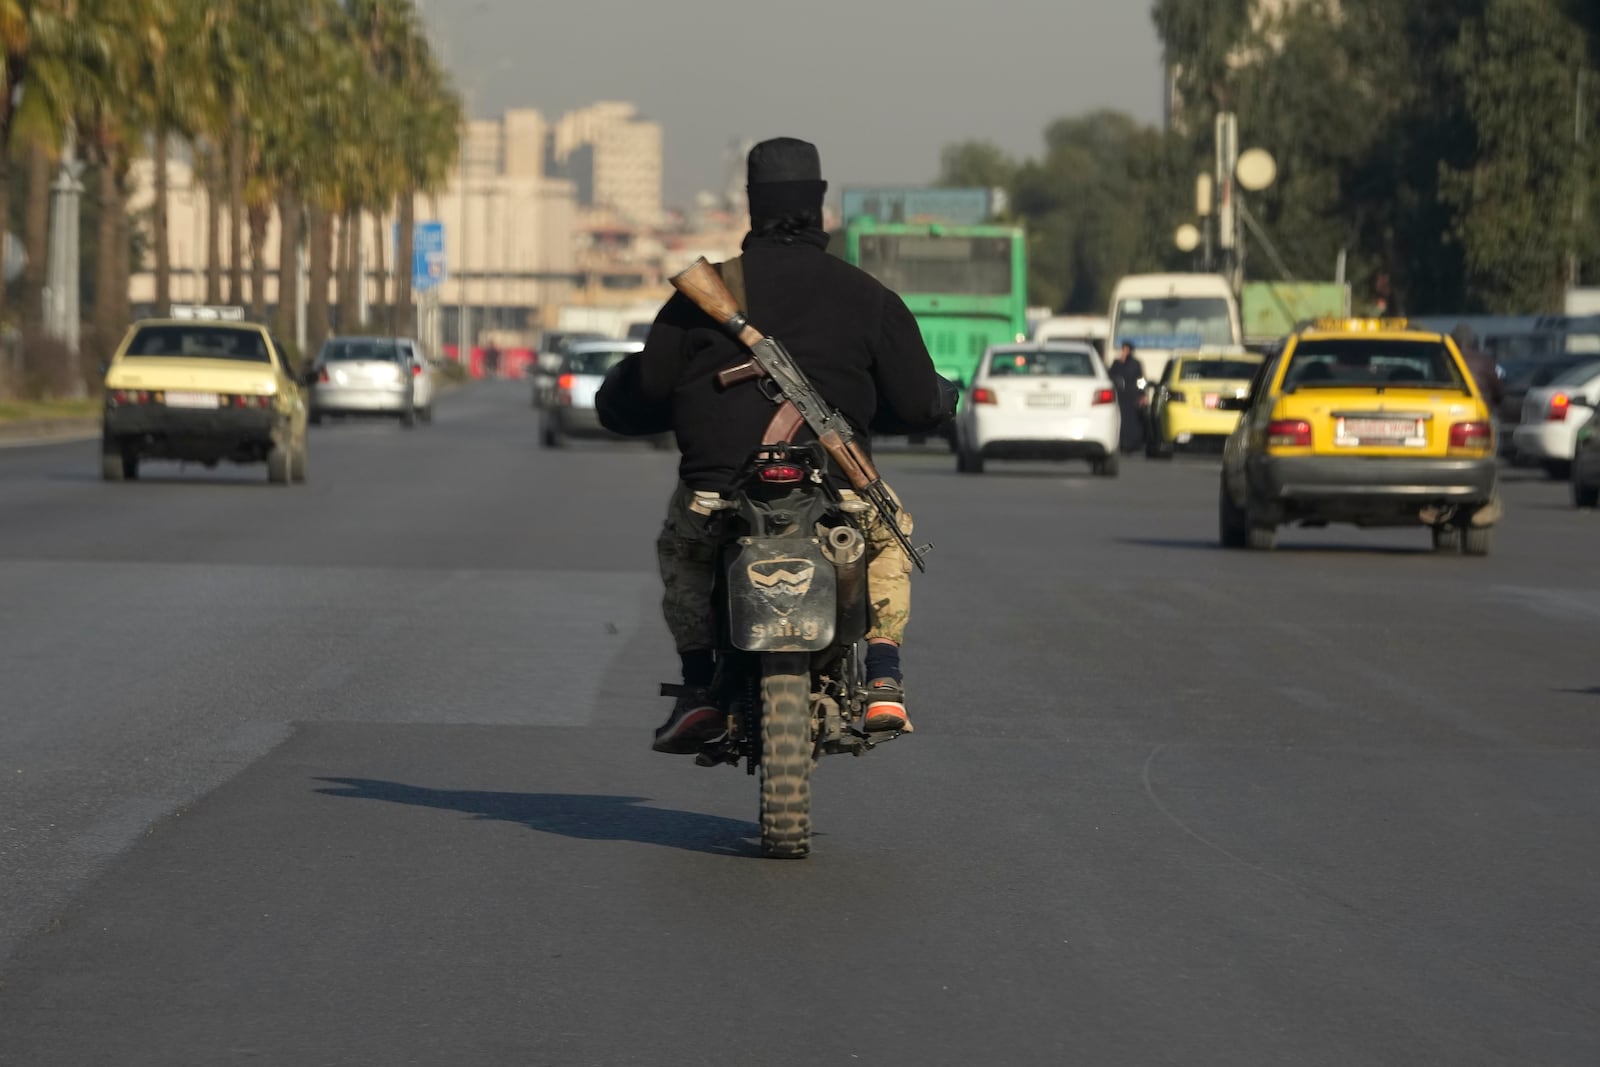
column 1160, row 314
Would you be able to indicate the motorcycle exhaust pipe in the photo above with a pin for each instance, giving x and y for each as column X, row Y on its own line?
column 846, row 549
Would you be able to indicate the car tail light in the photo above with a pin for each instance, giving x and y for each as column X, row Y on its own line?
column 1560, row 404
column 783, row 474
column 1289, row 433
column 1471, row 435
column 134, row 396
column 1105, row 396
column 416, row 370
column 981, row 395
column 322, row 375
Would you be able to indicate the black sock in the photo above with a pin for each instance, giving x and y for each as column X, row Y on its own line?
column 698, row 667
column 883, row 661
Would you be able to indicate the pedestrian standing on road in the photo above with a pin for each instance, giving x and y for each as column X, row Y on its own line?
column 1127, row 374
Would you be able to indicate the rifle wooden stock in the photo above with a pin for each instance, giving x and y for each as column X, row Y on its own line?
column 706, row 290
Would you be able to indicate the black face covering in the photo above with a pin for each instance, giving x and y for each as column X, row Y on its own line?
column 785, row 178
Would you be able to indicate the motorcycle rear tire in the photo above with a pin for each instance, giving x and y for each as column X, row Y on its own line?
column 787, row 755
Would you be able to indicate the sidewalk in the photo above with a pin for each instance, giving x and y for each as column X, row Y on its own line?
column 47, row 421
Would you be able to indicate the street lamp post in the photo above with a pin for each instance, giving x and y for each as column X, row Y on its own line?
column 62, row 274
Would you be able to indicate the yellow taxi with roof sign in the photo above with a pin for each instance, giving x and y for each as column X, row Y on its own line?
column 1363, row 421
column 1187, row 406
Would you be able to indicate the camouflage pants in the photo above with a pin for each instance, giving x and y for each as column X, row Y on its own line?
column 687, row 553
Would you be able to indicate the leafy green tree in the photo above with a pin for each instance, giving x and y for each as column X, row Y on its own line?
column 976, row 164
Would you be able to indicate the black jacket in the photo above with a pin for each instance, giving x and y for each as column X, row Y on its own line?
column 854, row 339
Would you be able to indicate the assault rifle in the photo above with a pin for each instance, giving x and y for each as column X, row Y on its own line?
column 769, row 360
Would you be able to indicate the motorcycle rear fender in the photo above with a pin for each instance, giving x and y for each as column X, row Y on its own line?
column 782, row 595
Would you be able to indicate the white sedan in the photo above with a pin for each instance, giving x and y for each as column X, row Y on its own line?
column 1039, row 401
column 1551, row 415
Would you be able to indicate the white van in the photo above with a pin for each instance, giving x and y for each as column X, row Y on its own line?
column 1160, row 314
column 1092, row 330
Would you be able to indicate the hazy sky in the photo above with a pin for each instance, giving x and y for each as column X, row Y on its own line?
column 881, row 86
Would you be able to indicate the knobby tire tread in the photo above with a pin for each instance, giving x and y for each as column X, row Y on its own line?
column 787, row 753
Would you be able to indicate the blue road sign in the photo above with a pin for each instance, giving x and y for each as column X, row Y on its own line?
column 429, row 267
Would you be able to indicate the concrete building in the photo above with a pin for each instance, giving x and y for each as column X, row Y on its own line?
column 614, row 158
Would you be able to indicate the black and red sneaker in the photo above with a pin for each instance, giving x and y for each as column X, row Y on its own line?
column 886, row 707
column 695, row 720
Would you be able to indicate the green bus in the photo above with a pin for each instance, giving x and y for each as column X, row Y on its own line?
column 966, row 285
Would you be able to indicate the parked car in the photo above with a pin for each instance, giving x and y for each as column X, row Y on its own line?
column 572, row 410
column 1186, row 409
column 1548, row 431
column 202, row 392
column 1366, row 422
column 1518, row 377
column 1586, row 463
column 365, row 376
column 546, row 365
column 1039, row 401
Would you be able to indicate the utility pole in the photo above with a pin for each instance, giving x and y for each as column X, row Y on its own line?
column 1227, row 138
column 61, row 312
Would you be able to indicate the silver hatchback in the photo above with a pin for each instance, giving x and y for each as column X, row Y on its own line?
column 364, row 376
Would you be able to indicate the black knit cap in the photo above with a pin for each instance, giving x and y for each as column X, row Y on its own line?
column 785, row 178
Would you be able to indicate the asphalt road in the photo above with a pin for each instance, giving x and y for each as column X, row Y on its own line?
column 360, row 773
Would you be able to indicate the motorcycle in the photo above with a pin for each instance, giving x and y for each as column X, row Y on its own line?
column 791, row 603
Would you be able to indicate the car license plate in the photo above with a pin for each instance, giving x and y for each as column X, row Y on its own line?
column 1410, row 433
column 192, row 400
column 1211, row 400
column 1047, row 400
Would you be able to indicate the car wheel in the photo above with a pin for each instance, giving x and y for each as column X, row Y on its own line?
column 408, row 418
column 426, row 415
column 1262, row 538
column 298, row 469
column 969, row 461
column 1584, row 496
column 1105, row 467
column 118, row 462
column 1475, row 540
column 279, row 462
column 1231, row 520
column 315, row 418
column 1447, row 540
column 552, row 438
column 1558, row 469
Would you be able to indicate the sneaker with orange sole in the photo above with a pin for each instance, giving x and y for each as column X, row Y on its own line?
column 694, row 721
column 886, row 707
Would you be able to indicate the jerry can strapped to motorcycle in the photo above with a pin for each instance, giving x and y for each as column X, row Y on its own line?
column 783, row 595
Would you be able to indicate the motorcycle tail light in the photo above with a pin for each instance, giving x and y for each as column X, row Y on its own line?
column 782, row 474
column 1105, row 396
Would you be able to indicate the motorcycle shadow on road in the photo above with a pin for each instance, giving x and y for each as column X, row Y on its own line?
column 583, row 816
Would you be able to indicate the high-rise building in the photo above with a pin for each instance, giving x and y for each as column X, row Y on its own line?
column 614, row 158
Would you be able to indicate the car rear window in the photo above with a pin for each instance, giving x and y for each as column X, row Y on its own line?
column 200, row 342
column 1041, row 363
column 1375, row 362
column 362, row 348
column 595, row 362
column 1577, row 375
column 1218, row 370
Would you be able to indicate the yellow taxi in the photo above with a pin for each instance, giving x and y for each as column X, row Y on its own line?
column 1188, row 406
column 1367, row 422
column 202, row 391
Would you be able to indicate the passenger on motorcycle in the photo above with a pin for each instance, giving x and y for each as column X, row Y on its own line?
column 862, row 350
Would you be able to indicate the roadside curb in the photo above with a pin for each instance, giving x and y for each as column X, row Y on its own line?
column 47, row 431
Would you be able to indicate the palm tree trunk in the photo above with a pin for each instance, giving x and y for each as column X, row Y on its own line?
column 350, row 272
column 213, row 227
column 288, row 265
column 320, row 228
column 405, row 321
column 121, row 254
column 161, row 227
column 336, row 241
column 36, row 237
column 236, row 149
column 260, row 218
column 380, row 305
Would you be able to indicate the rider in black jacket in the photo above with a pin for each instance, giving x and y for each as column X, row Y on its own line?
column 860, row 347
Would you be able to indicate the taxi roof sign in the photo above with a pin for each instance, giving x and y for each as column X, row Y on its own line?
column 1339, row 325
